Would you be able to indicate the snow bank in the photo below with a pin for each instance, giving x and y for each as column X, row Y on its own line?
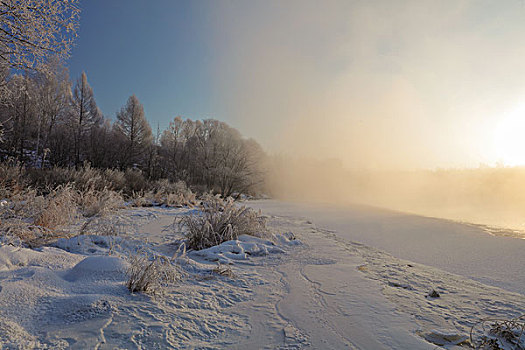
column 242, row 249
column 98, row 267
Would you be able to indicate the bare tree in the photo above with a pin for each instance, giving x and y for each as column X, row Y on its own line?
column 133, row 128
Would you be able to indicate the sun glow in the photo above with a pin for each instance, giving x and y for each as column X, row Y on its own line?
column 509, row 141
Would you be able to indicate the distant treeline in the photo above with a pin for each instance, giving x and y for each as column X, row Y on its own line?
column 49, row 121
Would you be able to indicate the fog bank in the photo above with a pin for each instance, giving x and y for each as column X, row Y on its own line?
column 485, row 195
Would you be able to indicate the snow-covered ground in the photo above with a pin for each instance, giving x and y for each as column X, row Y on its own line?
column 308, row 285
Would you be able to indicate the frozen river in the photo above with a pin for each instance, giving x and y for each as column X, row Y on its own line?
column 458, row 248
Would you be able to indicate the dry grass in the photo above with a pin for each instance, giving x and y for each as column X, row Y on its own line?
column 500, row 334
column 11, row 179
column 29, row 218
column 38, row 203
column 103, row 226
column 142, row 199
column 150, row 274
column 94, row 202
column 165, row 193
column 60, row 208
column 20, row 233
column 174, row 194
column 32, row 219
column 220, row 221
column 88, row 178
column 223, row 270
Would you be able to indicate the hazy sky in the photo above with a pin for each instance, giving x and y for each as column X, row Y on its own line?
column 374, row 83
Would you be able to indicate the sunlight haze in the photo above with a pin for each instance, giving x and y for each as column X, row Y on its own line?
column 366, row 82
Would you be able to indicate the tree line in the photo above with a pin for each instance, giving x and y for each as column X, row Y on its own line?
column 47, row 120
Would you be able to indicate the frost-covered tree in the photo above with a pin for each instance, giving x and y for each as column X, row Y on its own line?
column 229, row 161
column 19, row 115
column 103, row 146
column 54, row 94
column 210, row 155
column 84, row 114
column 134, row 130
column 33, row 30
column 173, row 148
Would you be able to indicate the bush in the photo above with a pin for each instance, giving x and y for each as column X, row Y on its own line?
column 149, row 275
column 36, row 202
column 115, row 179
column 220, row 221
column 142, row 199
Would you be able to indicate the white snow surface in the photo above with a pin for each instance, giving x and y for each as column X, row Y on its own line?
column 496, row 257
column 308, row 284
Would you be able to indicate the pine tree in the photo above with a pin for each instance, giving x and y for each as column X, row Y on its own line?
column 84, row 115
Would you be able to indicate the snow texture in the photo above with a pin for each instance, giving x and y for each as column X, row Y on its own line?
column 305, row 286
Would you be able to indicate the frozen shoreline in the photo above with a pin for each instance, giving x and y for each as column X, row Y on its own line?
column 318, row 291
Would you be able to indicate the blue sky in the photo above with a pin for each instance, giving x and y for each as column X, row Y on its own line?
column 376, row 84
column 158, row 50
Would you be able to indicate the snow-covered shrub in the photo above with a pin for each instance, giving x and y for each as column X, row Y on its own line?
column 23, row 203
column 149, row 274
column 209, row 200
column 219, row 221
column 103, row 226
column 82, row 179
column 116, row 178
column 18, row 232
column 16, row 211
column 88, row 178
